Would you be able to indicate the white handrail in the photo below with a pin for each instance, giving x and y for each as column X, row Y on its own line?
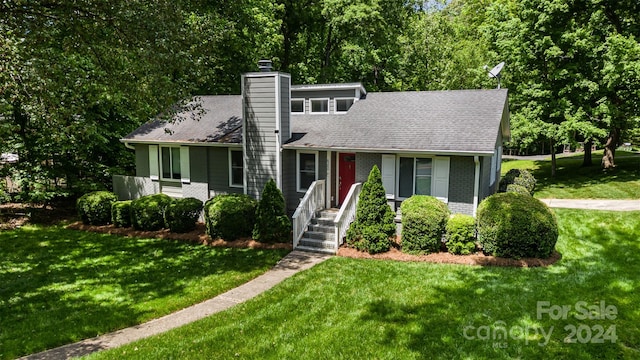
column 312, row 201
column 347, row 213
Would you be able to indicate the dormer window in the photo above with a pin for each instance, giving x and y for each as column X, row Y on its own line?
column 297, row 106
column 343, row 105
column 319, row 106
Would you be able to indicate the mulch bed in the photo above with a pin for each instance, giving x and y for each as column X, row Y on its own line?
column 446, row 258
column 195, row 236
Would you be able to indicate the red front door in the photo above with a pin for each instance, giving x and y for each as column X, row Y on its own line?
column 346, row 173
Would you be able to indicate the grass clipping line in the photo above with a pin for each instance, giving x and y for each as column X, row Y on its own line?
column 197, row 236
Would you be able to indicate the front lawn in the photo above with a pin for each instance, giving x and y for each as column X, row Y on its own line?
column 573, row 181
column 59, row 286
column 372, row 309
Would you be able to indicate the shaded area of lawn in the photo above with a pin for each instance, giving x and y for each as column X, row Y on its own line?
column 60, row 286
column 361, row 309
column 573, row 181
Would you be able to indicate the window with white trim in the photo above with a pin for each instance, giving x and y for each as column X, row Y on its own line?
column 297, row 106
column 236, row 168
column 414, row 176
column 319, row 106
column 307, row 169
column 170, row 163
column 343, row 105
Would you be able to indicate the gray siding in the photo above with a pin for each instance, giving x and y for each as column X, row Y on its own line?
column 260, row 140
column 218, row 171
column 485, row 178
column 142, row 160
column 289, row 192
column 133, row 187
column 364, row 163
column 461, row 178
column 198, row 164
column 285, row 103
column 322, row 94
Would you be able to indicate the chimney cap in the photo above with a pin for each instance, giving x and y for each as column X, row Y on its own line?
column 265, row 65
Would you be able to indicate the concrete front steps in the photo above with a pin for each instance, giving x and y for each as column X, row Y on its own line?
column 320, row 235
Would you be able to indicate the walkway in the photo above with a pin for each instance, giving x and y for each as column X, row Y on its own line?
column 594, row 204
column 291, row 264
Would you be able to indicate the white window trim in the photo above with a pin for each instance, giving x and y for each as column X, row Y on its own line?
column 170, row 161
column 335, row 104
column 319, row 99
column 231, row 184
column 304, row 106
column 413, row 186
column 315, row 153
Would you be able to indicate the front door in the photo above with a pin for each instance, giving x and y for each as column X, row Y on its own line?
column 346, row 173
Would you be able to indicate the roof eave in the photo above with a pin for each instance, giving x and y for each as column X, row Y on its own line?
column 179, row 143
column 389, row 150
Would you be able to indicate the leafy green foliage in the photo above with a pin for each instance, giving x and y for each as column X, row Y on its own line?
column 517, row 189
column 374, row 224
column 424, row 219
column 519, row 177
column 516, row 226
column 230, row 216
column 148, row 212
column 460, row 234
column 95, row 208
column 272, row 222
column 121, row 213
column 182, row 214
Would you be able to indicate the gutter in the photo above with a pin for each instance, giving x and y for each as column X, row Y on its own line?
column 388, row 150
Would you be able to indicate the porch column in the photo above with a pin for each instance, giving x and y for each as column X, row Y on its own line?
column 328, row 181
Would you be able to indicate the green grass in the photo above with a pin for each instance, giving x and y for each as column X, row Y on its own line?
column 59, row 286
column 367, row 309
column 573, row 181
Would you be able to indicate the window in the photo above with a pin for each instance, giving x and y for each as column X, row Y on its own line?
column 236, row 168
column 320, row 106
column 307, row 170
column 343, row 105
column 170, row 164
column 415, row 176
column 297, row 106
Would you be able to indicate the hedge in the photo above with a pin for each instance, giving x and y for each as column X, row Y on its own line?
column 517, row 189
column 516, row 226
column 95, row 208
column 460, row 234
column 272, row 222
column 182, row 214
column 121, row 213
column 147, row 212
column 520, row 177
column 230, row 216
column 423, row 223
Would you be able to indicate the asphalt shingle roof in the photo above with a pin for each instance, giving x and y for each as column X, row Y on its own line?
column 432, row 121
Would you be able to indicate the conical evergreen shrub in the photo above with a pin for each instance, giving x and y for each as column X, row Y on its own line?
column 272, row 222
column 374, row 224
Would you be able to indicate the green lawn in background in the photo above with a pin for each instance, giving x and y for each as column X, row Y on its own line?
column 573, row 181
column 367, row 309
column 59, row 286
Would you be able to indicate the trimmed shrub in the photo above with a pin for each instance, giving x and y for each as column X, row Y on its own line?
column 516, row 226
column 121, row 213
column 95, row 208
column 230, row 216
column 460, row 234
column 374, row 224
column 182, row 214
column 147, row 212
column 424, row 219
column 517, row 189
column 272, row 222
column 520, row 177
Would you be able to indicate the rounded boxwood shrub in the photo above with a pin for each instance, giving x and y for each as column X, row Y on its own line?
column 517, row 189
column 424, row 219
column 121, row 213
column 520, row 177
column 182, row 214
column 460, row 236
column 230, row 216
column 95, row 208
column 516, row 226
column 374, row 224
column 147, row 212
column 272, row 222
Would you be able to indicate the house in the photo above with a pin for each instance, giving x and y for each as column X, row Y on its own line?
column 319, row 142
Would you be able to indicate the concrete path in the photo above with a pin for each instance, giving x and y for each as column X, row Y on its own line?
column 594, row 204
column 291, row 264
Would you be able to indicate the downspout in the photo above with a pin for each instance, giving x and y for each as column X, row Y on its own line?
column 278, row 134
column 129, row 146
column 476, row 184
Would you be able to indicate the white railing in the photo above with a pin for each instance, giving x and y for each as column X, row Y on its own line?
column 347, row 213
column 312, row 201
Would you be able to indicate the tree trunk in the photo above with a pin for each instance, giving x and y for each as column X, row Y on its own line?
column 587, row 160
column 553, row 158
column 610, row 149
